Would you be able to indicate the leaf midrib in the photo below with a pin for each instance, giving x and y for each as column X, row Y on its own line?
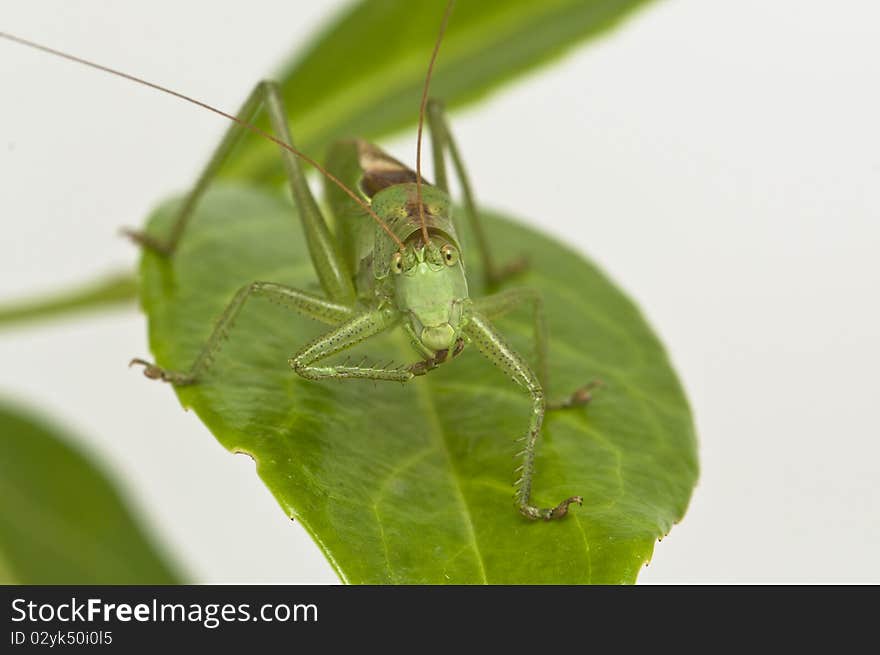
column 422, row 391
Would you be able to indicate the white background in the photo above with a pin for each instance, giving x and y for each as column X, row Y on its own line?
column 720, row 159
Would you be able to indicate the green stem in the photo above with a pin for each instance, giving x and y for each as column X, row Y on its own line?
column 112, row 290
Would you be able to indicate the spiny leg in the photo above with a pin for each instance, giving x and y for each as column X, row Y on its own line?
column 320, row 309
column 329, row 265
column 441, row 140
column 505, row 301
column 492, row 345
column 345, row 336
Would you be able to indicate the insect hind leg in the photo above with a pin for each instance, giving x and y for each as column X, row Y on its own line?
column 442, row 140
column 168, row 245
column 332, row 271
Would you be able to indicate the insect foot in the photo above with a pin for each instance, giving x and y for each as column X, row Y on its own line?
column 423, row 366
column 146, row 241
column 534, row 513
column 579, row 398
column 156, row 373
column 507, row 271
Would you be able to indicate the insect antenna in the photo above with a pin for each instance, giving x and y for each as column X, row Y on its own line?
column 424, row 103
column 243, row 123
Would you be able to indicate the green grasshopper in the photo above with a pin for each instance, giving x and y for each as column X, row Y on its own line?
column 394, row 260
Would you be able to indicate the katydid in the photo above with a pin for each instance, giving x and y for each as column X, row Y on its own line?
column 393, row 261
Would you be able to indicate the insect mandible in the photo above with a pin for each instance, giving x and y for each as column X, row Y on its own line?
column 394, row 261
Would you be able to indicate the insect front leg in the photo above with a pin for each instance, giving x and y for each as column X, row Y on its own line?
column 492, row 345
column 345, row 336
column 441, row 140
column 332, row 271
column 315, row 307
column 505, row 301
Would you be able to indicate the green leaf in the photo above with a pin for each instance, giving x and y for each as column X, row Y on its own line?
column 61, row 519
column 412, row 483
column 364, row 75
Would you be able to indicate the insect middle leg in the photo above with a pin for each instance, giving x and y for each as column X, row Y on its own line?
column 351, row 327
column 333, row 273
column 441, row 140
column 349, row 334
column 505, row 301
column 320, row 309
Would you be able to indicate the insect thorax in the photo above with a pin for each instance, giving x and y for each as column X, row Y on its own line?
column 389, row 186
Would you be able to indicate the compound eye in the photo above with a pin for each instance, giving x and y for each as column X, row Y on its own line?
column 449, row 254
column 397, row 263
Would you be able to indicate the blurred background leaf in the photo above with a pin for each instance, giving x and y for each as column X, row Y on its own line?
column 106, row 292
column 62, row 521
column 363, row 76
